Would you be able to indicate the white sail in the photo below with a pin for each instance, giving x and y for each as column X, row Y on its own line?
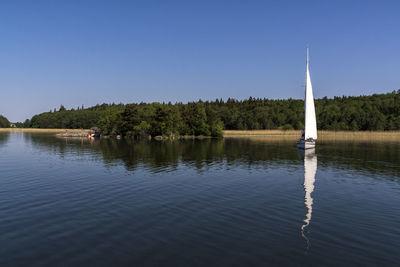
column 310, row 130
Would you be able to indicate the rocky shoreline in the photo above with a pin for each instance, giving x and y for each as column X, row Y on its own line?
column 73, row 134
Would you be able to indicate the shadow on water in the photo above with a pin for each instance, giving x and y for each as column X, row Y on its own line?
column 380, row 159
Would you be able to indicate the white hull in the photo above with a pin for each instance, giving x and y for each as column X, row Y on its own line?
column 305, row 144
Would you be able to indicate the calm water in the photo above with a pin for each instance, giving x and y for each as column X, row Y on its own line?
column 197, row 203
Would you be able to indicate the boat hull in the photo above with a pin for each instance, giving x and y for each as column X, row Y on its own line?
column 305, row 144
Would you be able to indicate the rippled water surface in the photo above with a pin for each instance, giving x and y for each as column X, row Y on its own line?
column 197, row 203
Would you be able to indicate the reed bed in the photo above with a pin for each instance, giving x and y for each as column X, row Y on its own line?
column 263, row 135
column 323, row 136
column 360, row 136
column 246, row 133
column 34, row 130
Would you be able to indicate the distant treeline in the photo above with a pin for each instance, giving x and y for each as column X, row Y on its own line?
column 367, row 113
column 4, row 123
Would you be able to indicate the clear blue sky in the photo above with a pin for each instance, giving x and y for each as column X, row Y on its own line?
column 88, row 52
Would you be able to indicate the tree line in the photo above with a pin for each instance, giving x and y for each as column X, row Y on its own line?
column 4, row 123
column 209, row 118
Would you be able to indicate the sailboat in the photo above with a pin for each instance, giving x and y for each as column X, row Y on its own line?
column 310, row 123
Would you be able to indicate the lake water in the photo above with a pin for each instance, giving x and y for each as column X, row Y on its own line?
column 197, row 203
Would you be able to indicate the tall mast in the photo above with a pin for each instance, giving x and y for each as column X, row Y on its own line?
column 307, row 59
column 305, row 87
column 307, row 62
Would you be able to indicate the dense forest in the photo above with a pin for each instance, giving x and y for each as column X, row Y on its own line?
column 4, row 123
column 366, row 113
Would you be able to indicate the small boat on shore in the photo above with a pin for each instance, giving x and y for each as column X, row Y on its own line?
column 309, row 135
column 94, row 132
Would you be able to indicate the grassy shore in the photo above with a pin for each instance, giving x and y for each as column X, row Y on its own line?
column 266, row 135
column 369, row 136
column 34, row 130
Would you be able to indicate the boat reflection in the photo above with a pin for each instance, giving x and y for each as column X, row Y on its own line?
column 310, row 169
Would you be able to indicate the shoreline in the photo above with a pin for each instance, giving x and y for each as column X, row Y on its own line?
column 323, row 135
column 40, row 130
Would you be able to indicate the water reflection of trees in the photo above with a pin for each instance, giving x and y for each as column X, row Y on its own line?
column 196, row 153
column 166, row 155
column 379, row 159
column 4, row 137
column 64, row 147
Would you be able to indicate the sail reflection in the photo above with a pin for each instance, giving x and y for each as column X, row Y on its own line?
column 310, row 169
